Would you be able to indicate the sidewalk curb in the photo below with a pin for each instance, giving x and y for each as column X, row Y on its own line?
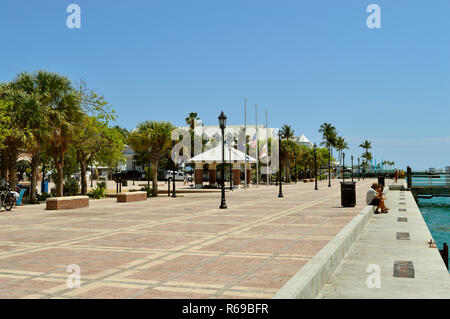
column 309, row 280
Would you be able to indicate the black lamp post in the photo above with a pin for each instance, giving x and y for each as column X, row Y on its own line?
column 280, row 193
column 231, row 168
column 329, row 166
column 364, row 169
column 174, row 192
column 358, row 169
column 223, row 124
column 134, row 171
column 343, row 167
column 92, row 176
column 315, row 166
column 352, row 167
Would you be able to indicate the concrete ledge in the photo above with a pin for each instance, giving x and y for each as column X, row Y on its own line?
column 69, row 202
column 131, row 197
column 310, row 279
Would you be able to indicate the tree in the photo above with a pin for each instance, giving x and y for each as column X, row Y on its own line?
column 287, row 132
column 191, row 121
column 5, row 121
column 366, row 145
column 64, row 111
column 154, row 137
column 329, row 135
column 341, row 145
column 95, row 141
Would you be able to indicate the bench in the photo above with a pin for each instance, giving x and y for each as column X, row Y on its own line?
column 69, row 202
column 131, row 197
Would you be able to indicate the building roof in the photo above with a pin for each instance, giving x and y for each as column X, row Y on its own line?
column 215, row 155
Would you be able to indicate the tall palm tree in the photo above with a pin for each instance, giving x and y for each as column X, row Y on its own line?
column 341, row 145
column 287, row 132
column 38, row 130
column 329, row 136
column 191, row 120
column 63, row 109
column 366, row 145
column 153, row 137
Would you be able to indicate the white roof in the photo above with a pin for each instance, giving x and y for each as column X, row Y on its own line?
column 303, row 139
column 215, row 155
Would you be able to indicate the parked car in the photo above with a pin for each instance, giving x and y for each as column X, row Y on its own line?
column 179, row 176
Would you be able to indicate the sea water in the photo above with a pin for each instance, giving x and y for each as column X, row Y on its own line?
column 436, row 213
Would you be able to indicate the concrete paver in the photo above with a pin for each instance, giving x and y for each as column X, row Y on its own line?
column 171, row 248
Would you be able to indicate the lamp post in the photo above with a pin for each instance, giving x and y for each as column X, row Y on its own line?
column 174, row 192
column 364, row 168
column 222, row 124
column 352, row 167
column 92, row 176
column 343, row 167
column 280, row 193
column 358, row 169
column 329, row 166
column 315, row 166
column 134, row 171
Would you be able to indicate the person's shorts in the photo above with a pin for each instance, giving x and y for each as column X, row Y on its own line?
column 375, row 202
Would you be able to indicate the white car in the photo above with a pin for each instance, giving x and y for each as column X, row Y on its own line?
column 179, row 176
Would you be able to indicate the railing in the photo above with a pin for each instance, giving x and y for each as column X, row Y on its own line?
column 442, row 179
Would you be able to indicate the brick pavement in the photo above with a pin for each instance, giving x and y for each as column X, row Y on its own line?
column 171, row 248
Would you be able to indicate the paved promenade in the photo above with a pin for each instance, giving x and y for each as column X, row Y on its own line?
column 171, row 248
column 396, row 243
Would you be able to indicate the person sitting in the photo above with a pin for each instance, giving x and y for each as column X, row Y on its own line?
column 382, row 206
column 372, row 197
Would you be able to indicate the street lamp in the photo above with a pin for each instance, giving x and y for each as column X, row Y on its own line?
column 223, row 124
column 315, row 166
column 329, row 165
column 343, row 167
column 280, row 193
column 358, row 169
column 352, row 167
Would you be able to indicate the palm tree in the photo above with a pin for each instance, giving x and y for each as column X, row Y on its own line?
column 329, row 136
column 287, row 132
column 35, row 117
column 153, row 137
column 191, row 120
column 63, row 109
column 341, row 145
column 366, row 145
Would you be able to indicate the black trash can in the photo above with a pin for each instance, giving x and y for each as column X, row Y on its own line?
column 124, row 182
column 348, row 194
column 381, row 180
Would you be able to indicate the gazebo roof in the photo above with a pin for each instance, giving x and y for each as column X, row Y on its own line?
column 215, row 155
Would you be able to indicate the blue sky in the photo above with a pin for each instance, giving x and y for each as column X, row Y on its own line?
column 307, row 62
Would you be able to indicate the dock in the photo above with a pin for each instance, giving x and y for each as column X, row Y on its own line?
column 392, row 258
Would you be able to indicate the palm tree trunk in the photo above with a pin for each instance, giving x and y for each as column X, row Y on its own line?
column 35, row 161
column 3, row 165
column 58, row 158
column 155, row 179
column 12, row 165
column 83, row 178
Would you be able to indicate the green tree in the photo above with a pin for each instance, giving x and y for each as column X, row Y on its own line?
column 154, row 137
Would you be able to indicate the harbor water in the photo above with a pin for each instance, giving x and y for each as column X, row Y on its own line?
column 436, row 213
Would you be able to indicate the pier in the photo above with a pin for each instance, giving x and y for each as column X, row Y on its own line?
column 392, row 258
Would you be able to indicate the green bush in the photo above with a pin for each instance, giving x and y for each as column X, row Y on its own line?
column 148, row 190
column 101, row 185
column 44, row 196
column 71, row 187
column 98, row 193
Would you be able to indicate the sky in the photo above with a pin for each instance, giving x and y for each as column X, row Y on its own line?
column 306, row 61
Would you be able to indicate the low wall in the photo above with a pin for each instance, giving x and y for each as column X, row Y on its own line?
column 69, row 202
column 131, row 197
column 310, row 279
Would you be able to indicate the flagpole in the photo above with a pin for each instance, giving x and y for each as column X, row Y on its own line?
column 245, row 142
column 267, row 152
column 257, row 150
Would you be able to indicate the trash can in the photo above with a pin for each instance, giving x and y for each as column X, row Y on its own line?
column 348, row 194
column 124, row 182
column 381, row 180
column 45, row 186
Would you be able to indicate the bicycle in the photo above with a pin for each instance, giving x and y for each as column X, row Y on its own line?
column 7, row 198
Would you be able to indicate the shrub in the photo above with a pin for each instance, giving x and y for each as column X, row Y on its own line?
column 101, row 185
column 44, row 196
column 98, row 193
column 71, row 187
column 148, row 190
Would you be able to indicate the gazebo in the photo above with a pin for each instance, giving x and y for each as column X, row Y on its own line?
column 213, row 157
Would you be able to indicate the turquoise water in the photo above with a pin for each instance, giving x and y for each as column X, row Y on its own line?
column 436, row 212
